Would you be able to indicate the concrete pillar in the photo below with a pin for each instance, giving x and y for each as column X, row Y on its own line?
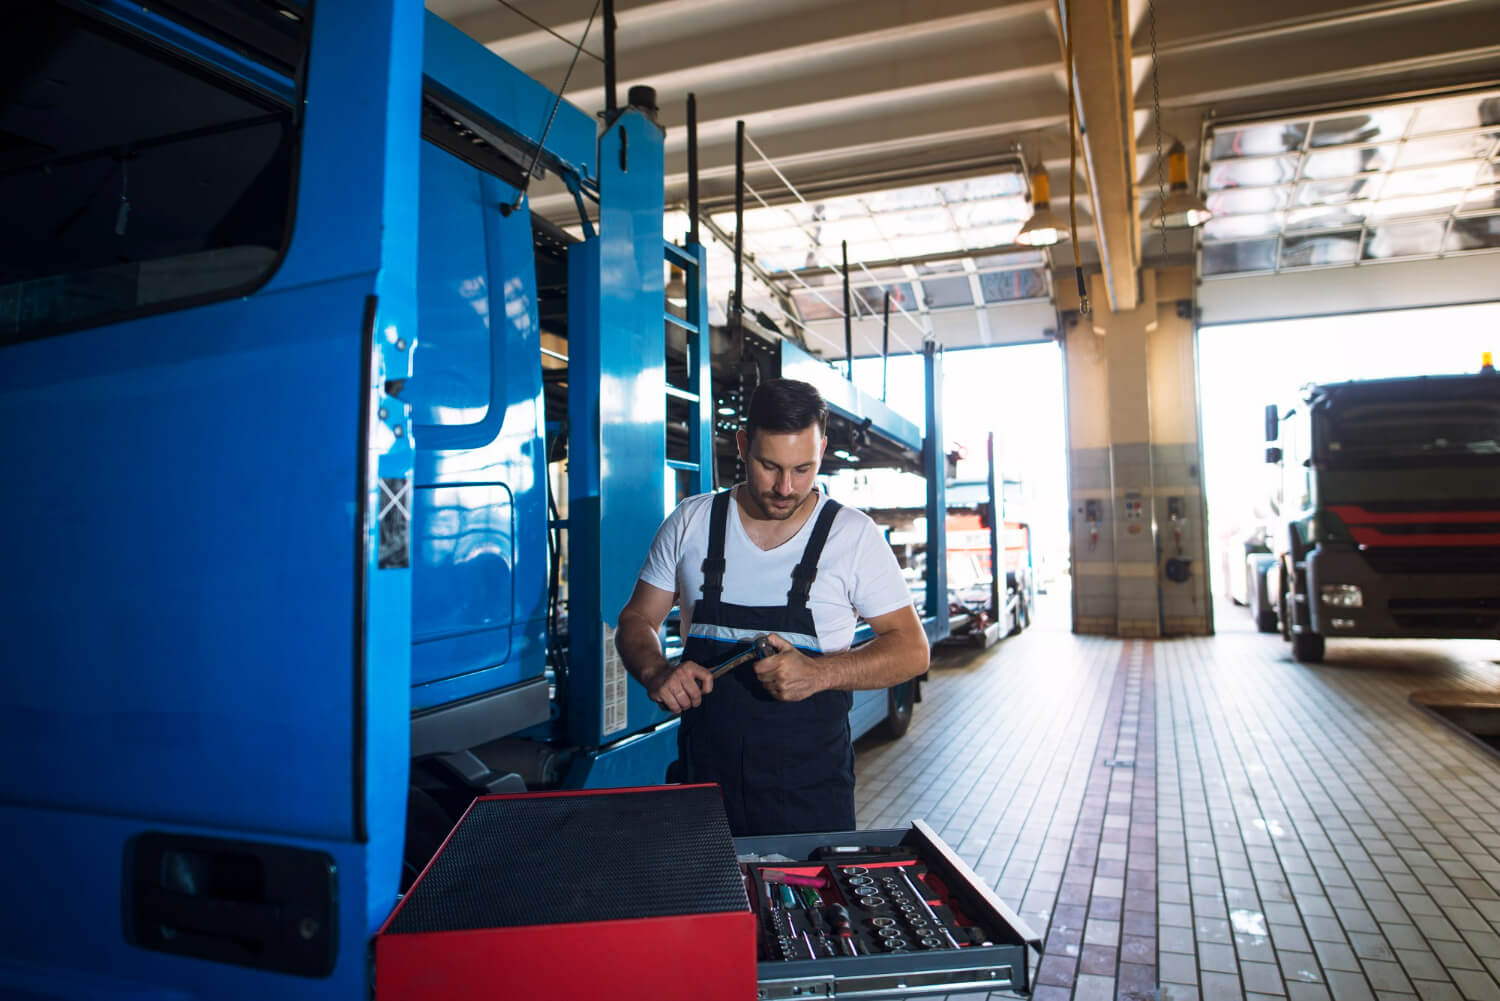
column 1135, row 465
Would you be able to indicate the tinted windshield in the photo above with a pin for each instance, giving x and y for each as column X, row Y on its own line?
column 133, row 176
column 1425, row 433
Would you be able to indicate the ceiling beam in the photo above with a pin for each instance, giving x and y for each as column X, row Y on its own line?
column 1444, row 44
column 1106, row 106
column 743, row 88
column 775, row 31
column 1192, row 24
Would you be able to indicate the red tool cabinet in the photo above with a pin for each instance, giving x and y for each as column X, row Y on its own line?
column 595, row 896
column 623, row 894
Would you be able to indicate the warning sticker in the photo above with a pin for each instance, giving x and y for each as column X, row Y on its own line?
column 395, row 524
column 616, row 686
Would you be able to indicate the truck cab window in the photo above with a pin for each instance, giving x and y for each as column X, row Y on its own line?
column 120, row 199
column 1414, row 433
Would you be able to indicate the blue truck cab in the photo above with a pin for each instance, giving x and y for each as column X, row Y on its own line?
column 270, row 342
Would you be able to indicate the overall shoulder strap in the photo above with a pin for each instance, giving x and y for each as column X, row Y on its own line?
column 713, row 562
column 806, row 571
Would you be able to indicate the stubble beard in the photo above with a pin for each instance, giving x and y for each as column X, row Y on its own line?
column 767, row 509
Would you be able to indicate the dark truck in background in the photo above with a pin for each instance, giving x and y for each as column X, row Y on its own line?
column 1390, row 510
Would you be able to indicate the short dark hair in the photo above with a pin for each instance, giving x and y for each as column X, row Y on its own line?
column 786, row 406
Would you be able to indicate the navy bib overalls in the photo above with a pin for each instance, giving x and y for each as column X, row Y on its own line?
column 785, row 767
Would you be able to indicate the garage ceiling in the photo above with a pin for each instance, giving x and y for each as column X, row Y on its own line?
column 848, row 98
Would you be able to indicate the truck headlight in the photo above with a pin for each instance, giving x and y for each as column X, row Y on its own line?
column 1342, row 595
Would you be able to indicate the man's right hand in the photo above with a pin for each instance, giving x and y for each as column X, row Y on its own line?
column 681, row 688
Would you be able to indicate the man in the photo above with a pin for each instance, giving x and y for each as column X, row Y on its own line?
column 773, row 555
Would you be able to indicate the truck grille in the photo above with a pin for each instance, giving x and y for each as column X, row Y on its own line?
column 1433, row 559
column 1458, row 614
column 1440, row 528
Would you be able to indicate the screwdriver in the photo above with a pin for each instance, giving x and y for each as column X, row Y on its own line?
column 819, row 923
column 838, row 917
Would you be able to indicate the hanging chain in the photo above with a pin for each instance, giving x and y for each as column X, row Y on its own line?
column 1084, row 307
column 1161, row 164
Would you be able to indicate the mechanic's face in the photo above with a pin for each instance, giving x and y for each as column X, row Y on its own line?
column 780, row 468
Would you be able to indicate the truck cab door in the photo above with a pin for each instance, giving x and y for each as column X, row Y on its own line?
column 204, row 712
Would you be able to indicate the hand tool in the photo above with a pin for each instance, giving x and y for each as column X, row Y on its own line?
column 819, row 924
column 811, row 899
column 794, row 879
column 788, row 898
column 838, row 917
column 926, row 908
column 760, row 647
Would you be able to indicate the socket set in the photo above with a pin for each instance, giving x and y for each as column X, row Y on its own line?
column 870, row 907
column 880, row 915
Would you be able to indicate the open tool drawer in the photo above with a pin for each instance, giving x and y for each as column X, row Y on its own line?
column 886, row 943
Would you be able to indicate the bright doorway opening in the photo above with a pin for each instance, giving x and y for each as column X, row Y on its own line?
column 1244, row 367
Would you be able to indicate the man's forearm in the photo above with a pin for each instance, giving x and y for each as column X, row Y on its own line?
column 884, row 661
column 639, row 646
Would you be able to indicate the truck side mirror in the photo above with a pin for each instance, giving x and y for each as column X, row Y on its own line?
column 1273, row 455
column 1273, row 423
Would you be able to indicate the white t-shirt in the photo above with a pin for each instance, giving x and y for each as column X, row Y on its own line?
column 858, row 576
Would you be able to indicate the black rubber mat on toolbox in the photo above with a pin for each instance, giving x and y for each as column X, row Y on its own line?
column 562, row 859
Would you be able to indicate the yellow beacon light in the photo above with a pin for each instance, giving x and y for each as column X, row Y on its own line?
column 1487, row 360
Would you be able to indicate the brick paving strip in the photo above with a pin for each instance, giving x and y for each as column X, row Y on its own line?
column 1101, row 943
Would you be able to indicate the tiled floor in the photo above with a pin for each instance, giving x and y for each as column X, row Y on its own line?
column 1207, row 819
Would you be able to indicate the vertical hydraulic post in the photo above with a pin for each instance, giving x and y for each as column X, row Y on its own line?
column 737, row 314
column 700, row 379
column 692, row 158
column 616, row 410
column 935, row 468
column 611, row 101
column 997, row 516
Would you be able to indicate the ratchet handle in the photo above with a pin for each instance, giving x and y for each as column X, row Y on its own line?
column 759, row 647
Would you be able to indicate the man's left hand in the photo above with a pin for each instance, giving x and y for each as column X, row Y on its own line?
column 788, row 674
